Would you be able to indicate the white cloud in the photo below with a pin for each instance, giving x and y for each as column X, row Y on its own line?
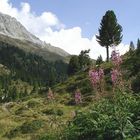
column 69, row 39
column 35, row 24
column 25, row 8
column 72, row 41
column 7, row 8
column 44, row 26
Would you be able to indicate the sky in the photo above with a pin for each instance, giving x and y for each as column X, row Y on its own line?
column 73, row 24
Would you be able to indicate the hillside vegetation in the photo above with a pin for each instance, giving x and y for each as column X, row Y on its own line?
column 34, row 48
column 112, row 115
column 23, row 67
column 79, row 100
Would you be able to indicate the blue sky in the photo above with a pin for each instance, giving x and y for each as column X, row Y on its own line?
column 87, row 14
column 73, row 24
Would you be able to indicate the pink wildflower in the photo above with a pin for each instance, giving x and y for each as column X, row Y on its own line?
column 78, row 98
column 115, row 75
column 50, row 94
column 101, row 73
column 73, row 114
column 96, row 76
column 116, row 59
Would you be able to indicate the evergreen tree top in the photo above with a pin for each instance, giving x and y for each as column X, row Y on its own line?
column 110, row 30
column 138, row 44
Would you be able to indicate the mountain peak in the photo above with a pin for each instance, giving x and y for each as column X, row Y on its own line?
column 9, row 26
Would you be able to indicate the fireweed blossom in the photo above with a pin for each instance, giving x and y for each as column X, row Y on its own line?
column 96, row 76
column 115, row 57
column 50, row 94
column 78, row 98
column 101, row 73
column 116, row 73
column 97, row 79
column 115, row 76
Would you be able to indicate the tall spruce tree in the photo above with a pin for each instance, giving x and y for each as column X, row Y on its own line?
column 131, row 47
column 109, row 31
column 74, row 65
column 84, row 59
column 138, row 44
column 99, row 60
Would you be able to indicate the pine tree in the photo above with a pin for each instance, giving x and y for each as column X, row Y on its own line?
column 74, row 65
column 131, row 47
column 138, row 44
column 109, row 31
column 84, row 59
column 99, row 60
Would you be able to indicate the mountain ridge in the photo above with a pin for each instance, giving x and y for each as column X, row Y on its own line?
column 13, row 29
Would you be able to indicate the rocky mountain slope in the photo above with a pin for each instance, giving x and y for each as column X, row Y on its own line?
column 15, row 33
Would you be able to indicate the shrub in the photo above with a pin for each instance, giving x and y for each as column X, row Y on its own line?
column 49, row 136
column 12, row 133
column 30, row 127
column 136, row 84
column 20, row 110
column 107, row 120
column 86, row 87
column 32, row 103
column 51, row 111
column 59, row 112
column 25, row 128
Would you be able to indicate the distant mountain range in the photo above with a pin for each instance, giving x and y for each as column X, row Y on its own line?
column 14, row 33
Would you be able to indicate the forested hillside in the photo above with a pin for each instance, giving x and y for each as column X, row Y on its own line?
column 29, row 68
column 83, row 100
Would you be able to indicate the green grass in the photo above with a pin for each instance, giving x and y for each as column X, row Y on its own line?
column 28, row 119
column 34, row 116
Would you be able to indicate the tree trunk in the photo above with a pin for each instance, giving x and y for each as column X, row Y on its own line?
column 107, row 52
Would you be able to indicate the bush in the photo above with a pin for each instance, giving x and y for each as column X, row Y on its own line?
column 20, row 110
column 136, row 84
column 86, row 87
column 33, row 103
column 59, row 112
column 51, row 111
column 30, row 127
column 108, row 119
column 12, row 133
column 25, row 128
column 49, row 137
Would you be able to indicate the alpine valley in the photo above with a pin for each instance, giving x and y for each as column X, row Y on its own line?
column 48, row 94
